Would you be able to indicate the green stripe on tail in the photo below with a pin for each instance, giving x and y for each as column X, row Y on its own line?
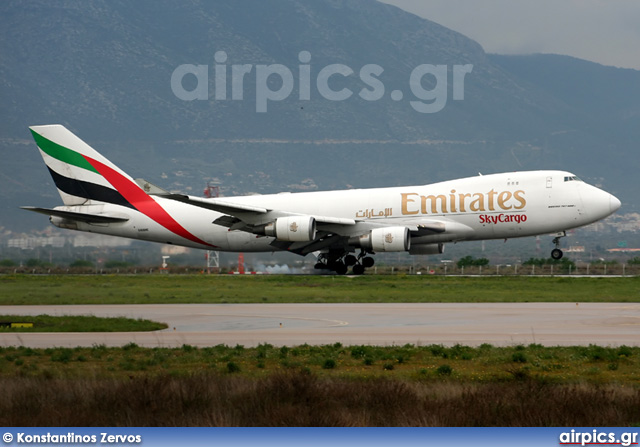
column 62, row 153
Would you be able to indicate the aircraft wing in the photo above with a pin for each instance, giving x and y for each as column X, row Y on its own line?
column 250, row 214
column 332, row 231
column 427, row 226
column 81, row 217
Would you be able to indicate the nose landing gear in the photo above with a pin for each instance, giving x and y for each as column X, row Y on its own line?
column 556, row 253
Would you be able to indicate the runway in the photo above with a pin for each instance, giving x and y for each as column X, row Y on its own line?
column 500, row 324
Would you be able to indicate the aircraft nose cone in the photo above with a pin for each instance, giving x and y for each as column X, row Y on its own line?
column 614, row 203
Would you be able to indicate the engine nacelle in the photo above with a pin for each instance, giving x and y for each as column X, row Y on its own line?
column 292, row 229
column 61, row 222
column 384, row 239
column 427, row 249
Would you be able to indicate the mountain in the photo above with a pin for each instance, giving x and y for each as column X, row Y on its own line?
column 104, row 69
column 605, row 112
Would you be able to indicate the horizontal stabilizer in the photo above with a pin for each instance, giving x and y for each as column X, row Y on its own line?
column 81, row 217
column 150, row 188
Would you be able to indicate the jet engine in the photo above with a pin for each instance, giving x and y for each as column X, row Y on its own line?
column 292, row 228
column 384, row 239
column 61, row 222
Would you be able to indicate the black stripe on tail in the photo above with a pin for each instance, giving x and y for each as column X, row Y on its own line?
column 88, row 190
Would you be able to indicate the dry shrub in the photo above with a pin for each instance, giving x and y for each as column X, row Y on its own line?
column 303, row 399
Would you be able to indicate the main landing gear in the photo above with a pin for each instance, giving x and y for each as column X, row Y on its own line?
column 340, row 264
column 556, row 253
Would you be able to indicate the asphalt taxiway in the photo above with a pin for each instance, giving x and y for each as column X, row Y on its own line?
column 500, row 324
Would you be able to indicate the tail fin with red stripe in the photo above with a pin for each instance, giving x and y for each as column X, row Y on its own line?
column 78, row 170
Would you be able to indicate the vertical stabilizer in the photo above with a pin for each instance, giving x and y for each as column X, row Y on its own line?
column 80, row 173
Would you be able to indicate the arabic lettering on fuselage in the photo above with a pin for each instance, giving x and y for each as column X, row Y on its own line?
column 371, row 213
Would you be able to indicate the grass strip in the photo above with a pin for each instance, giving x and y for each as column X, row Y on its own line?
column 157, row 289
column 329, row 385
column 47, row 323
column 459, row 363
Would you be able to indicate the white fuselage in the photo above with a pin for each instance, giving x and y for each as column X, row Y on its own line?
column 494, row 206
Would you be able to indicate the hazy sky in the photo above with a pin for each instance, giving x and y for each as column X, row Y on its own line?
column 604, row 31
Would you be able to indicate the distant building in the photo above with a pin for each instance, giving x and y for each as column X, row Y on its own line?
column 623, row 250
column 174, row 250
column 99, row 240
column 29, row 243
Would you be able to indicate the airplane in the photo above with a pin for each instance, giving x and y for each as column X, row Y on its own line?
column 342, row 228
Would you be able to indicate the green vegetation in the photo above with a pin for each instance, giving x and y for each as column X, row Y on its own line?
column 46, row 323
column 118, row 264
column 32, row 262
column 563, row 263
column 330, row 385
column 469, row 261
column 443, row 370
column 484, row 364
column 142, row 289
column 81, row 263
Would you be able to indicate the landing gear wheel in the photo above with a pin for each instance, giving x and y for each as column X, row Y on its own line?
column 350, row 260
column 368, row 262
column 556, row 254
column 340, row 268
column 358, row 269
column 320, row 266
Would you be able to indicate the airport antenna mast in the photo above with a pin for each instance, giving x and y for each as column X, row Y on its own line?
column 212, row 256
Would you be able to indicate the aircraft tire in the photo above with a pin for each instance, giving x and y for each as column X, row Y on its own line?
column 350, row 260
column 368, row 262
column 340, row 268
column 556, row 254
column 358, row 269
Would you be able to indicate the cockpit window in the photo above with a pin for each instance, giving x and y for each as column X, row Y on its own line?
column 572, row 178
